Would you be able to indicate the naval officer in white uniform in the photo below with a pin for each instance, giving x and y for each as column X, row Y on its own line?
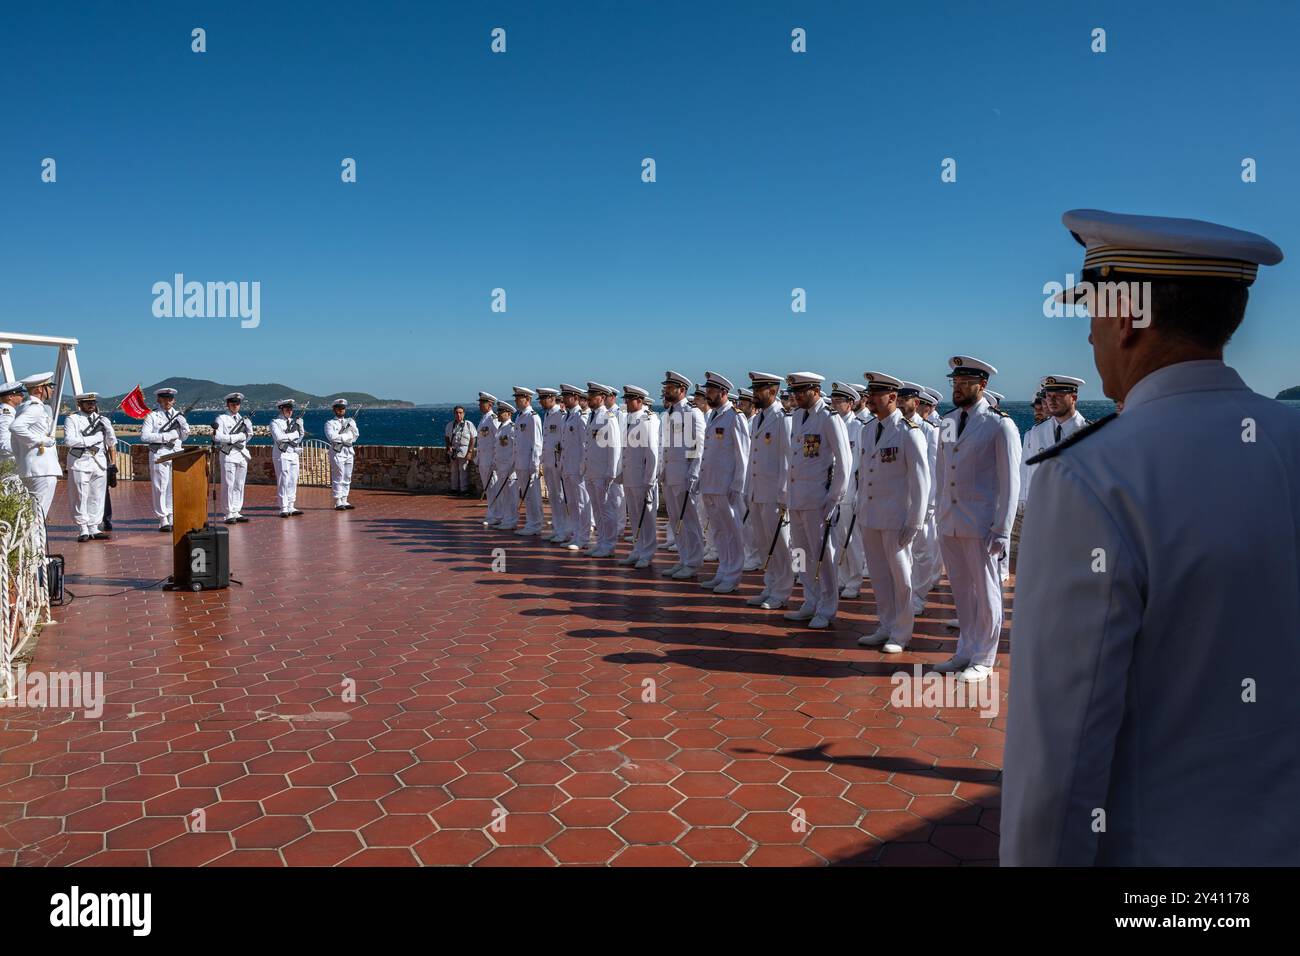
column 32, row 435
column 573, row 490
column 723, row 471
column 164, row 430
column 528, row 443
column 1154, row 717
column 979, row 479
column 820, row 469
column 11, row 396
column 917, row 406
column 231, row 436
column 90, row 440
column 682, row 436
column 893, row 495
column 602, row 461
column 767, row 489
column 852, row 563
column 485, row 452
column 342, row 433
column 640, row 468
column 287, row 436
column 552, row 415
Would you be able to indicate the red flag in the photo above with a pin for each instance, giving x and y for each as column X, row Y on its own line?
column 134, row 404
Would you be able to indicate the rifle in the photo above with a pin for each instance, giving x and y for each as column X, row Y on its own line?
column 781, row 522
column 173, row 422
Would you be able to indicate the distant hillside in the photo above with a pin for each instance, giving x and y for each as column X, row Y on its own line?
column 1291, row 394
column 210, row 395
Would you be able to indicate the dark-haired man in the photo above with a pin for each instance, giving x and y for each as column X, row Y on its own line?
column 1153, row 691
column 458, row 436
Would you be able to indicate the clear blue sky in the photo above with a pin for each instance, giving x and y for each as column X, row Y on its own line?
column 522, row 171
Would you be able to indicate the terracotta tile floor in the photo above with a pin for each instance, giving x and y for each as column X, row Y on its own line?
column 374, row 694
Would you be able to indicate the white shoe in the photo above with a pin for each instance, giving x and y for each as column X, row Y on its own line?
column 756, row 600
column 525, row 533
column 681, row 574
column 555, row 539
column 752, row 566
column 603, row 553
column 850, row 592
column 772, row 604
column 951, row 666
column 892, row 646
column 975, row 674
column 628, row 561
column 918, row 608
column 572, row 547
column 671, row 571
column 874, row 639
column 724, row 589
column 672, row 547
column 711, row 583
column 710, row 555
column 953, row 624
column 643, row 563
column 800, row 614
column 819, row 622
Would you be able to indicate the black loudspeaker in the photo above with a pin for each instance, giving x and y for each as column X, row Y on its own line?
column 208, row 566
column 52, row 577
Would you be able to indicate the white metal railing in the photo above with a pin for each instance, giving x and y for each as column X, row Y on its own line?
column 24, row 594
column 314, row 463
column 125, row 470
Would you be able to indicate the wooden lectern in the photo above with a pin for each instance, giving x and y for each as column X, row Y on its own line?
column 189, row 502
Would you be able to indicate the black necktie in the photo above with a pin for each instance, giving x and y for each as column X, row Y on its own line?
column 805, row 417
column 1058, row 432
column 880, row 428
column 961, row 425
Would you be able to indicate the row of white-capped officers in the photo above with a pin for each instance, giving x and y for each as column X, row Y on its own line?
column 27, row 431
column 872, row 482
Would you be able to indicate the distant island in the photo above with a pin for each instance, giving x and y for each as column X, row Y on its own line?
column 1291, row 394
column 212, row 395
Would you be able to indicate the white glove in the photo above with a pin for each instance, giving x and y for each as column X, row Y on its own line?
column 996, row 544
column 828, row 510
column 905, row 536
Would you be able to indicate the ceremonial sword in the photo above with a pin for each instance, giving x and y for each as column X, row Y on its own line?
column 781, row 522
column 644, row 504
column 825, row 537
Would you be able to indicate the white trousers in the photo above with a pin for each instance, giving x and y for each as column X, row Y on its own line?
column 690, row 540
column 725, row 512
column 647, row 538
column 234, row 472
column 754, row 551
column 533, row 516
column 286, row 482
column 341, row 476
column 87, row 499
column 778, row 579
column 598, row 513
column 852, row 565
column 891, row 580
column 504, row 501
column 927, row 563
column 615, row 508
column 977, row 592
column 821, row 590
column 161, row 476
column 577, row 511
column 552, row 478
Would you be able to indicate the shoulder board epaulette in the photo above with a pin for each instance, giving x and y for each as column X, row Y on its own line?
column 910, row 424
column 1074, row 439
column 1000, row 412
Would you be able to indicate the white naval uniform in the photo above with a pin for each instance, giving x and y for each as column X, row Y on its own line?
column 724, row 469
column 1041, row 437
column 893, row 497
column 528, row 443
column 90, row 441
column 749, row 531
column 1162, row 689
column 766, row 490
column 820, row 469
column 35, row 456
column 640, row 466
column 486, row 455
column 552, row 423
column 286, row 436
column 6, row 422
column 230, row 435
column 926, row 562
column 682, row 438
column 616, row 500
column 506, row 514
column 342, row 434
column 979, row 478
column 602, row 459
column 573, row 491
column 851, row 566
column 164, row 434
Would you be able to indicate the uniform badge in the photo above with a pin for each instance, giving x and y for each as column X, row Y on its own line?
column 719, row 432
column 767, row 438
column 483, row 431
column 504, row 440
column 888, row 454
column 812, row 446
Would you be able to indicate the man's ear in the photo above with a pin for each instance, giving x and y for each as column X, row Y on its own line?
column 1129, row 323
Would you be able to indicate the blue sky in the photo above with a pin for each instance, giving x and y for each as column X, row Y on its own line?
column 522, row 171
